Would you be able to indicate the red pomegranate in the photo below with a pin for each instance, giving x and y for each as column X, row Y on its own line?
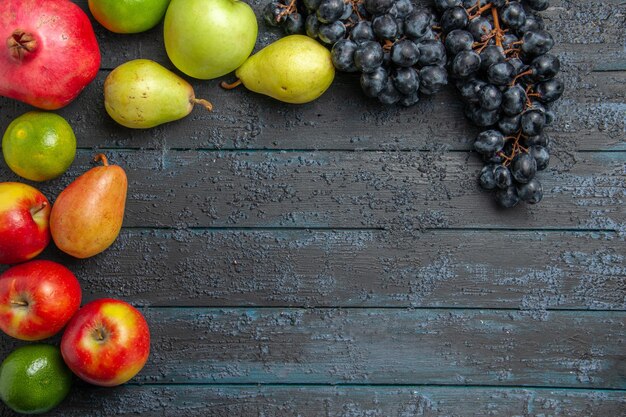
column 50, row 52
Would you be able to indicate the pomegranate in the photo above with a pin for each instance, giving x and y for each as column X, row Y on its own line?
column 50, row 52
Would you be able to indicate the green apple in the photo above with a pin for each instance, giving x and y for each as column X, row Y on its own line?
column 206, row 39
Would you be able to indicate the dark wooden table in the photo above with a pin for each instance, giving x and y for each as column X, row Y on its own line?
column 338, row 258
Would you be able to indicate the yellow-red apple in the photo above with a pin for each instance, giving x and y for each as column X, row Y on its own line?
column 106, row 343
column 37, row 299
column 24, row 222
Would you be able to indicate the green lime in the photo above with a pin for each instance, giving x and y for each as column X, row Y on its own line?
column 128, row 16
column 34, row 379
column 39, row 145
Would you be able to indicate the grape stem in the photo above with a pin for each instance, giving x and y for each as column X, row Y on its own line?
column 289, row 9
column 517, row 148
column 498, row 32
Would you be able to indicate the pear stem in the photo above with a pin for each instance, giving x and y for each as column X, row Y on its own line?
column 100, row 157
column 204, row 103
column 227, row 86
column 38, row 209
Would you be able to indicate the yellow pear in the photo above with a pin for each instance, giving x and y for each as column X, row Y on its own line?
column 295, row 69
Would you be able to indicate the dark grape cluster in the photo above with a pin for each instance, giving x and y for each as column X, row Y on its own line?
column 395, row 46
column 499, row 58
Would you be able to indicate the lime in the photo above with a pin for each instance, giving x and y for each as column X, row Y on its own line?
column 39, row 145
column 34, row 379
column 128, row 16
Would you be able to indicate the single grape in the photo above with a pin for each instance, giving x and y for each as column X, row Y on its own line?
column 509, row 125
column 517, row 64
column 311, row 5
column 454, row 18
column 492, row 54
column 523, row 168
column 347, row 11
column 362, row 32
column 479, row 27
column 406, row 80
column 486, row 178
column 503, row 177
column 550, row 90
column 401, row 9
column 272, row 14
column 312, row 26
column 470, row 88
column 545, row 67
column 432, row 79
column 533, row 23
column 531, row 192
column 532, row 122
column 417, row 24
column 373, row 82
column 480, row 116
column 459, row 40
column 540, row 140
column 490, row 97
column 294, row 23
column 368, row 56
column 410, row 100
column 507, row 198
column 513, row 100
column 541, row 155
column 404, row 53
column 343, row 55
column 376, row 7
column 442, row 5
column 331, row 32
column 513, row 15
column 385, row 27
column 465, row 63
column 501, row 73
column 509, row 41
column 537, row 42
column 330, row 11
column 431, row 52
column 488, row 142
column 389, row 94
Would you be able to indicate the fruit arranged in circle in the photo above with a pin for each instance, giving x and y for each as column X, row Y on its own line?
column 141, row 94
column 50, row 52
column 37, row 299
column 106, row 343
column 34, row 379
column 24, row 222
column 295, row 69
column 206, row 39
column 128, row 16
column 87, row 216
column 39, row 146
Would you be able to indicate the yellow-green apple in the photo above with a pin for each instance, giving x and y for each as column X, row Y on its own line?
column 106, row 343
column 209, row 38
column 24, row 222
column 37, row 299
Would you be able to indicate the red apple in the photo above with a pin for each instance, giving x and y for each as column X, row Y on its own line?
column 37, row 299
column 106, row 343
column 24, row 222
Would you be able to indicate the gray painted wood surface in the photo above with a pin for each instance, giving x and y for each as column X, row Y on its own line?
column 338, row 258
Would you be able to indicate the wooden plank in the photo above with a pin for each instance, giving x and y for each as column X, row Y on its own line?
column 277, row 401
column 384, row 346
column 401, row 191
column 496, row 269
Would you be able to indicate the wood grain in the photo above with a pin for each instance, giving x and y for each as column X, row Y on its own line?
column 280, row 401
column 524, row 270
column 385, row 346
column 403, row 191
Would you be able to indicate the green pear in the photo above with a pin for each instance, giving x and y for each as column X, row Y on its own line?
column 295, row 69
column 141, row 94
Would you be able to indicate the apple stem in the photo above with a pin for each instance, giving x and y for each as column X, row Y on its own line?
column 20, row 44
column 20, row 303
column 100, row 335
column 204, row 103
column 227, row 86
column 36, row 210
column 100, row 157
